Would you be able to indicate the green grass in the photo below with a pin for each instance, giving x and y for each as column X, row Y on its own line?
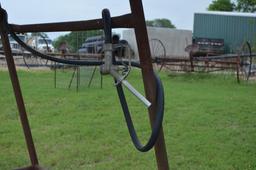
column 210, row 123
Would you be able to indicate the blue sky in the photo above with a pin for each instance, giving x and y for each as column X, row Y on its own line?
column 180, row 12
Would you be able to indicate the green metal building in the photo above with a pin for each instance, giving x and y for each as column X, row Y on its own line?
column 235, row 28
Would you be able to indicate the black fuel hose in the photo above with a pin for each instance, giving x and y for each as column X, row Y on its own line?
column 158, row 119
column 159, row 93
column 107, row 25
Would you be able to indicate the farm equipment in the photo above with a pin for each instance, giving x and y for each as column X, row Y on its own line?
column 207, row 55
column 154, row 100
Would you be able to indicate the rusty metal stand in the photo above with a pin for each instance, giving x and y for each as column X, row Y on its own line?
column 18, row 96
column 147, row 73
column 135, row 20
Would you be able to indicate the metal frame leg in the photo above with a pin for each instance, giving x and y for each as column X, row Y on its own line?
column 72, row 77
column 19, row 98
column 93, row 73
column 55, row 75
column 147, row 73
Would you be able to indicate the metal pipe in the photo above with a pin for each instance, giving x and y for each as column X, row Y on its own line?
column 55, row 75
column 90, row 81
column 130, row 88
column 148, row 77
column 224, row 56
column 17, row 92
column 123, row 21
column 136, row 93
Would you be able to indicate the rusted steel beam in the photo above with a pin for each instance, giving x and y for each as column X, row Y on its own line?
column 173, row 60
column 148, row 78
column 123, row 21
column 224, row 56
column 158, row 59
column 17, row 92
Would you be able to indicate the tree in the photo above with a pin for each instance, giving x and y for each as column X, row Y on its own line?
column 246, row 5
column 228, row 5
column 57, row 42
column 160, row 23
column 221, row 5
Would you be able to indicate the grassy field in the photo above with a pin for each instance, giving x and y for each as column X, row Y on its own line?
column 210, row 123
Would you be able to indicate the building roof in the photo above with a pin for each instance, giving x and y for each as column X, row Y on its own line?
column 241, row 14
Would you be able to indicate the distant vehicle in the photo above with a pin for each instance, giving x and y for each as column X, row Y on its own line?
column 15, row 47
column 41, row 44
column 92, row 45
column 95, row 45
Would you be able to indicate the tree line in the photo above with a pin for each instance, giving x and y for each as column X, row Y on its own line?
column 237, row 5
